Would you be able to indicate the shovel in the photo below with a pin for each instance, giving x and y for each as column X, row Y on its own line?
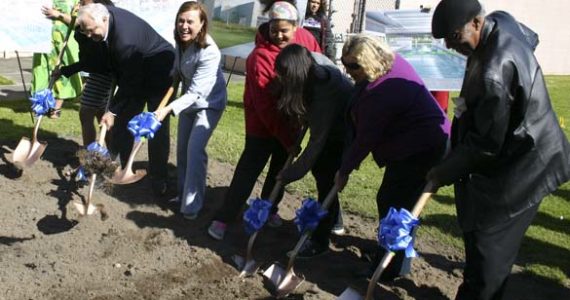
column 284, row 280
column 88, row 208
column 126, row 175
column 28, row 152
column 351, row 294
column 248, row 265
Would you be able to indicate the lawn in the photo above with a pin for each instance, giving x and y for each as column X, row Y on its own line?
column 545, row 251
column 231, row 34
column 5, row 81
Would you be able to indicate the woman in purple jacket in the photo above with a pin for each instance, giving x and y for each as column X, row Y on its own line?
column 393, row 116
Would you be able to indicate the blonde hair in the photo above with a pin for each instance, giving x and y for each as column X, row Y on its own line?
column 371, row 53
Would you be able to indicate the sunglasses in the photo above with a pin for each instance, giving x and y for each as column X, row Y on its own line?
column 350, row 66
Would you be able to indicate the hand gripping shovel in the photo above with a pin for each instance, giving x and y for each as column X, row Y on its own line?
column 248, row 265
column 126, row 175
column 28, row 152
column 284, row 280
column 351, row 294
column 87, row 208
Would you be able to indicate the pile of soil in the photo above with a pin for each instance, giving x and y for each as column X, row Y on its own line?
column 144, row 249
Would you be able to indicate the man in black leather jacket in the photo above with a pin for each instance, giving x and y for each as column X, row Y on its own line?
column 508, row 150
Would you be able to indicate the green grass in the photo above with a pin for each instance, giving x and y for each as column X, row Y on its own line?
column 545, row 252
column 5, row 81
column 230, row 35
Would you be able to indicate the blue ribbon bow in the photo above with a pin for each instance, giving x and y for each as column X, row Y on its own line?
column 95, row 147
column 256, row 215
column 395, row 231
column 80, row 175
column 307, row 217
column 42, row 102
column 144, row 125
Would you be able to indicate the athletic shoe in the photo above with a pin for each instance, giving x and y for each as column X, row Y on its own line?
column 217, row 230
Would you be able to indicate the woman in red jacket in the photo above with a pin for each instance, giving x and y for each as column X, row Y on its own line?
column 268, row 134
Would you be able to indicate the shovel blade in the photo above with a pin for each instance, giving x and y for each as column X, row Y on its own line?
column 247, row 268
column 85, row 209
column 22, row 150
column 349, row 294
column 285, row 282
column 126, row 176
column 38, row 149
column 275, row 273
column 28, row 152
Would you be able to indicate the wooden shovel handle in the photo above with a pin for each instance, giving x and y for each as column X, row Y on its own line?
column 166, row 97
column 288, row 162
column 418, row 207
column 59, row 60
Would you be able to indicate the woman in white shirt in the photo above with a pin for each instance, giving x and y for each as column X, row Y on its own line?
column 201, row 105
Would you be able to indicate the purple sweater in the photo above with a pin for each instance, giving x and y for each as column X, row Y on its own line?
column 394, row 117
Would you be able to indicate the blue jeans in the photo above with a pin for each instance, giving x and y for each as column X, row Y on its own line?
column 194, row 131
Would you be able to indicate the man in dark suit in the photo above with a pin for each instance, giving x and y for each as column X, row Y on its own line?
column 141, row 61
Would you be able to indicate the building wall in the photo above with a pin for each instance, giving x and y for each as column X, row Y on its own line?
column 547, row 18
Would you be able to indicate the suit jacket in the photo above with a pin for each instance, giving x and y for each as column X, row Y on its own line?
column 140, row 59
column 508, row 148
column 93, row 57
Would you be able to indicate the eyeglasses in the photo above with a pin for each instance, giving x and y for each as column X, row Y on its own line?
column 350, row 66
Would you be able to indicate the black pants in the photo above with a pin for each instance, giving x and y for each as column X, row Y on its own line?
column 324, row 171
column 253, row 159
column 401, row 187
column 158, row 147
column 489, row 256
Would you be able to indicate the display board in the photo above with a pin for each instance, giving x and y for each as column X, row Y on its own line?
column 24, row 27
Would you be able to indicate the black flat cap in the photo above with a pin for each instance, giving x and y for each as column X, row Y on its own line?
column 451, row 15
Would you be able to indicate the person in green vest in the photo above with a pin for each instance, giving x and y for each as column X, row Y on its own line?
column 44, row 63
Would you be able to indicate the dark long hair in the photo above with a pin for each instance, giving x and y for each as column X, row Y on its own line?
column 322, row 9
column 188, row 6
column 268, row 3
column 294, row 68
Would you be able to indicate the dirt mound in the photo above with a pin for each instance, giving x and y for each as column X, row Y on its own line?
column 146, row 250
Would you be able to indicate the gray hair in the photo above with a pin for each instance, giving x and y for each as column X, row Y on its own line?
column 97, row 11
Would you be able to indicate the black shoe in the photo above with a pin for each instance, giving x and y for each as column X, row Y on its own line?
column 310, row 250
column 159, row 187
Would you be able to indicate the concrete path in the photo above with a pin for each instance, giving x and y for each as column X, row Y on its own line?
column 9, row 69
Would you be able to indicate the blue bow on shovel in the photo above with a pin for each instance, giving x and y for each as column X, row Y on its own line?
column 81, row 176
column 395, row 231
column 256, row 215
column 144, row 125
column 97, row 148
column 42, row 102
column 307, row 217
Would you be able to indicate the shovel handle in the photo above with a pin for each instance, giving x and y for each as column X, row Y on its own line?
column 307, row 234
column 381, row 267
column 166, row 97
column 288, row 162
column 59, row 60
column 418, row 207
column 36, row 129
column 102, row 134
